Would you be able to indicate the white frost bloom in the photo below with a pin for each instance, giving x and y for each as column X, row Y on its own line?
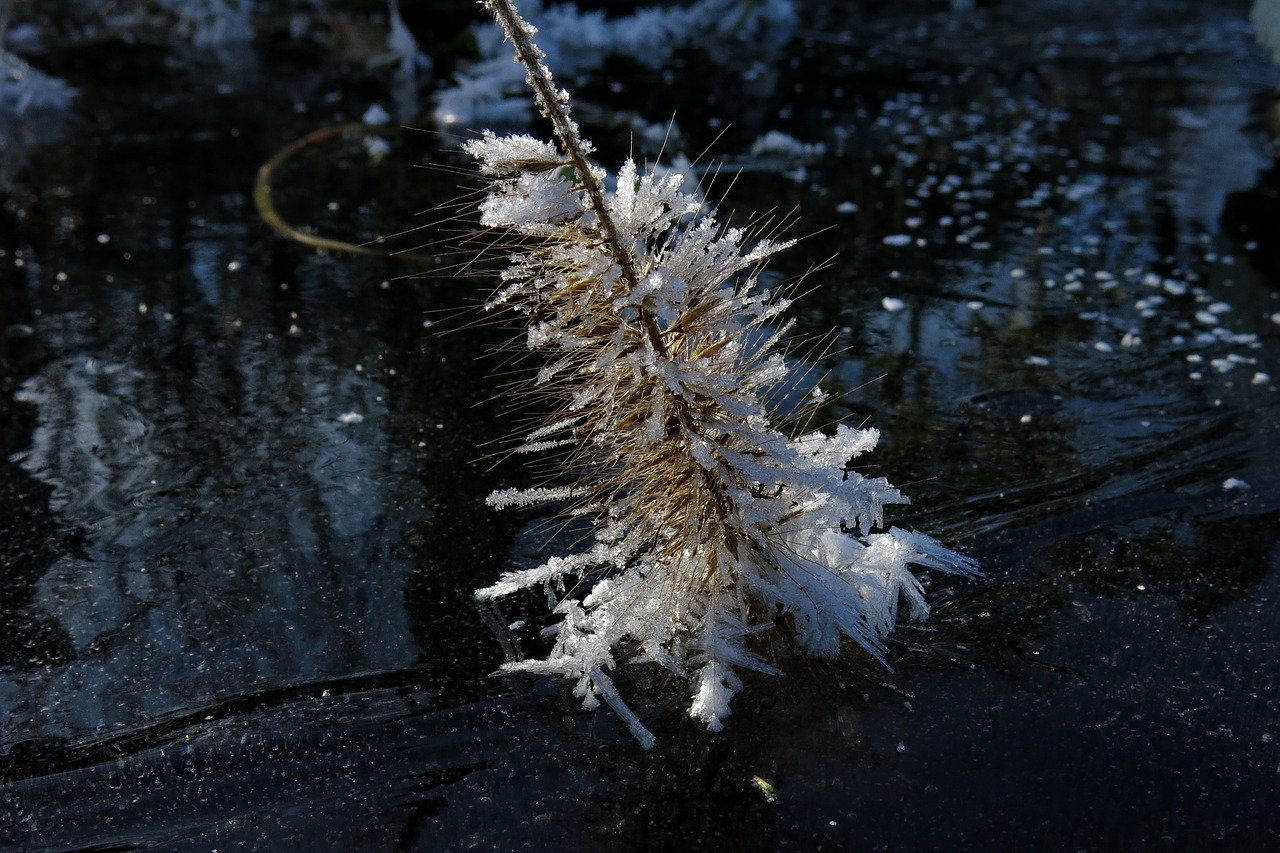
column 710, row 525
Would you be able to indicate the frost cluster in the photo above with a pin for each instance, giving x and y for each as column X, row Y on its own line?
column 710, row 525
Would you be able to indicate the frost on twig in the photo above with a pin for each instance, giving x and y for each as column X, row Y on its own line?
column 710, row 525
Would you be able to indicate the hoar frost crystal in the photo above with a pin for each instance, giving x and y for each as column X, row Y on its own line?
column 710, row 525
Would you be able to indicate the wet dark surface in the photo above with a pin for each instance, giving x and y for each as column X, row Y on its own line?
column 241, row 511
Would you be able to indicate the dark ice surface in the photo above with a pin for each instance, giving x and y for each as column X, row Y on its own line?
column 242, row 482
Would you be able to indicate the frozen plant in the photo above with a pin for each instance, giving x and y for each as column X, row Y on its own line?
column 710, row 525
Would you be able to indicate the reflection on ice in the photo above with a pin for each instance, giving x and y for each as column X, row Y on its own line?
column 202, row 522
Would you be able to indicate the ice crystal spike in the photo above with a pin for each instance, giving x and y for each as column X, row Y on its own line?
column 710, row 525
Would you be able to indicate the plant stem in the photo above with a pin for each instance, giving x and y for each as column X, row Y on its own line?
column 263, row 201
column 555, row 106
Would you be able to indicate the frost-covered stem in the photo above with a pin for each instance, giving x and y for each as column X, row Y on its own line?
column 711, row 525
column 555, row 106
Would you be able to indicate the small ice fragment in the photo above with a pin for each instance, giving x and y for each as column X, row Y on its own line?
column 233, row 266
column 1036, row 361
column 898, row 240
column 1026, row 419
column 1102, row 346
column 846, row 207
column 975, row 305
column 1232, row 483
column 350, row 418
column 892, row 303
column 775, row 142
column 1275, row 318
column 1188, row 120
column 376, row 147
column 376, row 115
column 1206, row 317
column 1260, row 378
column 1220, row 307
column 902, row 747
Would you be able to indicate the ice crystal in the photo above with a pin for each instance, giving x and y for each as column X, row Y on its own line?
column 710, row 524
